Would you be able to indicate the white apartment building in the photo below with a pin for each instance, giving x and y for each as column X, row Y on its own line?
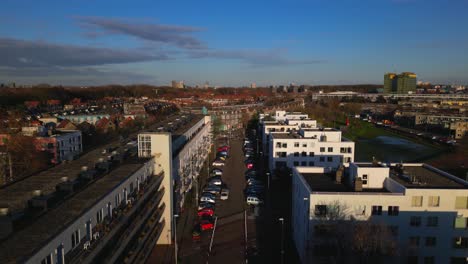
column 309, row 147
column 424, row 209
column 181, row 155
column 283, row 115
column 269, row 127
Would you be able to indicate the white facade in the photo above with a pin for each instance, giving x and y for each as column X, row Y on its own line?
column 316, row 147
column 430, row 220
column 283, row 115
column 181, row 162
column 60, row 245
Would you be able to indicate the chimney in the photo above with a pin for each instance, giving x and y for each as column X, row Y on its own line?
column 358, row 185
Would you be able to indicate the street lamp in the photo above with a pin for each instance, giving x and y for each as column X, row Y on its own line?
column 282, row 239
column 175, row 237
column 268, row 179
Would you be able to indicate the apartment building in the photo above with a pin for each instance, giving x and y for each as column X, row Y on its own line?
column 62, row 145
column 184, row 151
column 75, row 212
column 423, row 211
column 312, row 147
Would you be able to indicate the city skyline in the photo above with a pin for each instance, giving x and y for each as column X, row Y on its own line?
column 232, row 44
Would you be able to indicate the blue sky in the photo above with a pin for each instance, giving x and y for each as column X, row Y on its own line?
column 232, row 42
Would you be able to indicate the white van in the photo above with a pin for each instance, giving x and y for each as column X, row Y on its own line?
column 252, row 200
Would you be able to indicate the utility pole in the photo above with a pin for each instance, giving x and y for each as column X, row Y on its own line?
column 175, row 238
column 282, row 239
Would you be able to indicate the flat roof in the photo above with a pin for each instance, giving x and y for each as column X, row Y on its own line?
column 325, row 182
column 25, row 242
column 423, row 176
column 285, row 135
column 17, row 194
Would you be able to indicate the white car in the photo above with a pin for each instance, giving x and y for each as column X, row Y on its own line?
column 218, row 163
column 207, row 199
column 217, row 172
column 224, row 194
column 252, row 200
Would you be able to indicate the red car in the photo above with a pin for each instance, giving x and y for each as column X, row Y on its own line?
column 249, row 165
column 223, row 148
column 206, row 211
column 206, row 223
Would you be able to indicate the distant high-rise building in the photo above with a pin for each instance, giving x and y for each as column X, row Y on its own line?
column 402, row 83
column 178, row 84
column 253, row 85
column 406, row 83
column 390, row 82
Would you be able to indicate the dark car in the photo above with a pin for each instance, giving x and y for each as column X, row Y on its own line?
column 204, row 205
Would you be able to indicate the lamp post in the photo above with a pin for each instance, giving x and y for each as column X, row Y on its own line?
column 268, row 179
column 282, row 239
column 175, row 238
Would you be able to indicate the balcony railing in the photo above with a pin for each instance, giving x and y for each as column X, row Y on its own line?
column 108, row 234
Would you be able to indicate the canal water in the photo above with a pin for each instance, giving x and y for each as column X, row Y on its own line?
column 391, row 149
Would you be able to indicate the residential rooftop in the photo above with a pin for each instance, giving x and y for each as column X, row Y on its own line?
column 425, row 176
column 325, row 182
column 25, row 242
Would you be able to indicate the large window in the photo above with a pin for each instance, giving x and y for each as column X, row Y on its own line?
column 322, row 149
column 460, row 242
column 415, row 221
column 461, row 222
column 416, row 201
column 320, row 210
column 393, row 210
column 461, row 202
column 376, row 210
column 434, row 201
column 432, row 221
column 431, row 241
column 144, row 147
column 330, row 149
column 75, row 238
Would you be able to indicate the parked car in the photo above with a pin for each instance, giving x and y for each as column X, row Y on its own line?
column 206, row 211
column 251, row 172
column 204, row 205
column 208, row 199
column 253, row 181
column 249, row 165
column 223, row 148
column 224, row 194
column 206, row 223
column 249, row 154
column 223, row 153
column 218, row 163
column 253, row 200
column 211, row 189
column 217, row 171
column 215, row 181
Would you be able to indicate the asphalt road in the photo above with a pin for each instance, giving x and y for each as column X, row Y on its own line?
column 229, row 236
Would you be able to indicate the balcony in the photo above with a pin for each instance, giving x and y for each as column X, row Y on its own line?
column 110, row 237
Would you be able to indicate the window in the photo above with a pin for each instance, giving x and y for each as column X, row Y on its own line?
column 415, row 221
column 304, row 154
column 348, row 159
column 461, row 222
column 364, row 176
column 304, row 163
column 414, row 241
column 47, row 260
column 429, row 260
column 460, row 242
column 416, row 201
column 296, row 154
column 99, row 215
column 322, row 159
column 284, row 145
column 376, row 210
column 322, row 149
column 304, row 145
column 393, row 210
column 434, row 201
column 75, row 238
column 320, row 210
column 311, row 154
column 364, row 182
column 296, row 163
column 296, row 144
column 278, row 145
column 330, row 149
column 432, row 221
column 461, row 202
column 311, row 163
column 329, row 159
column 431, row 241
